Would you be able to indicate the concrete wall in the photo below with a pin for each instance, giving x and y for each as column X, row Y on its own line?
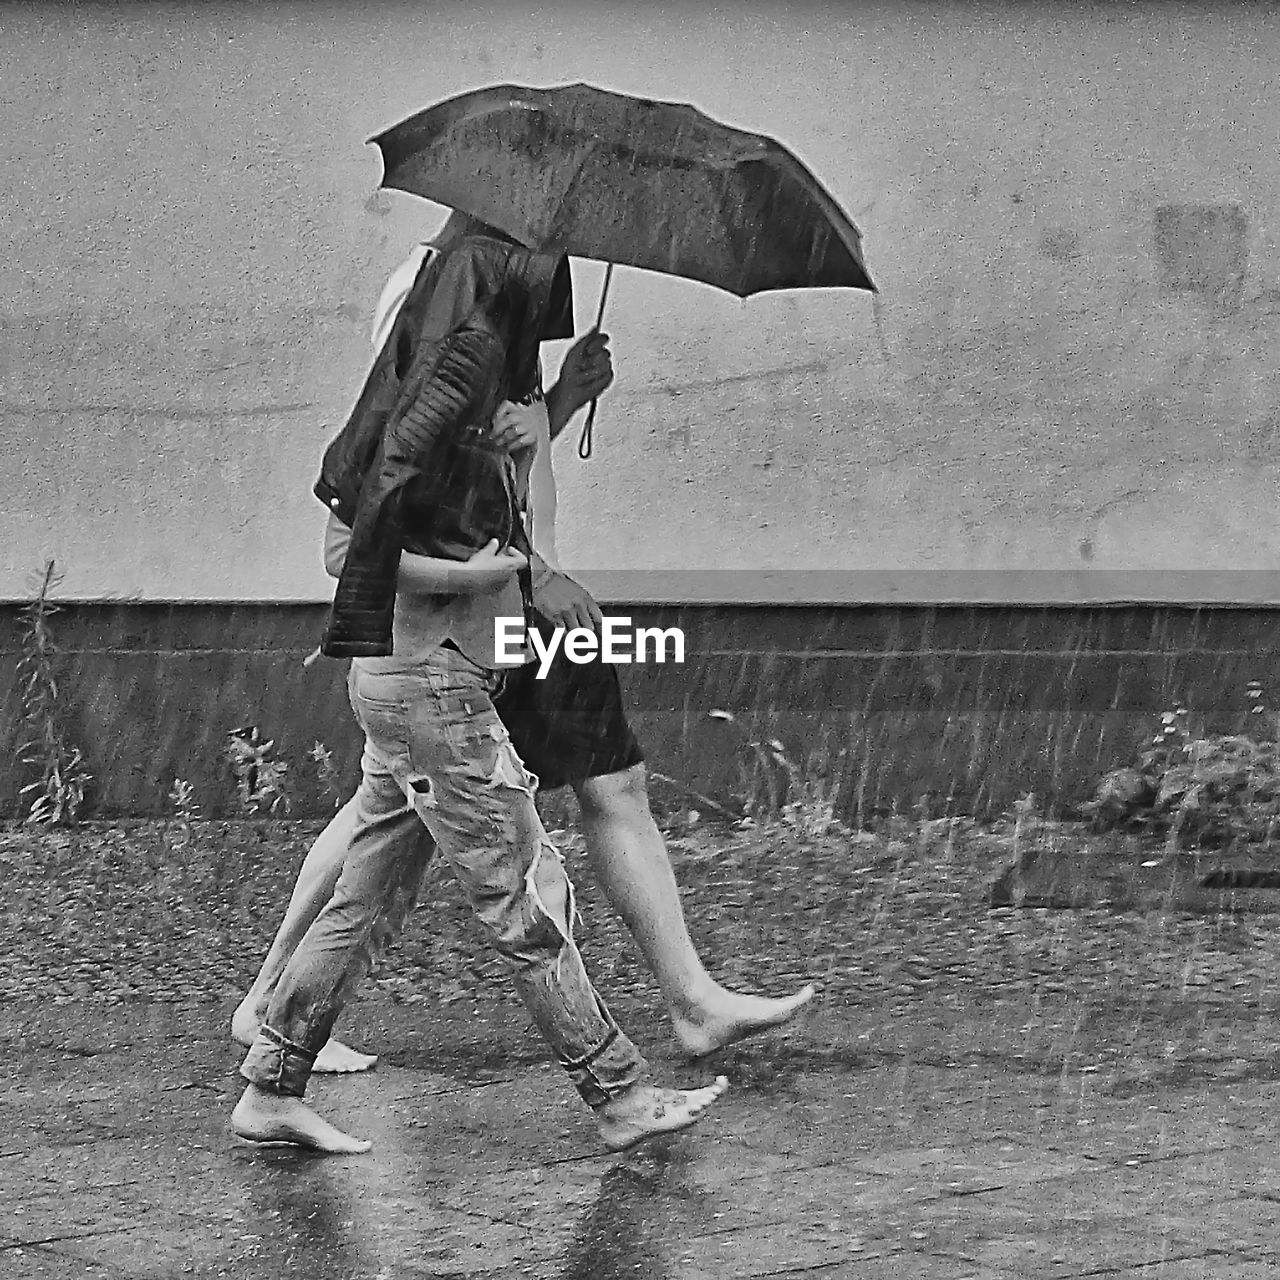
column 1070, row 371
column 878, row 705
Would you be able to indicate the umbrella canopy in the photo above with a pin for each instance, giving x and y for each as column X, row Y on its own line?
column 658, row 185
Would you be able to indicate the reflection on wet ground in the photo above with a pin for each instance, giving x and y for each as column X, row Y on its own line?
column 863, row 1144
column 975, row 1094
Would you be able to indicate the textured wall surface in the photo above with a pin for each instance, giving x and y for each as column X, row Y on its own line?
column 1071, row 368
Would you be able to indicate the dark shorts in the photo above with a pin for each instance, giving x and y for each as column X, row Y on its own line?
column 569, row 726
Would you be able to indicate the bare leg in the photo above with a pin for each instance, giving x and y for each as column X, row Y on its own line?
column 629, row 860
column 314, row 887
column 644, row 1110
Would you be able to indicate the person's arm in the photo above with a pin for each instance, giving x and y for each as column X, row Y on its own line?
column 560, row 408
column 542, row 572
column 562, row 600
column 586, row 375
column 430, row 575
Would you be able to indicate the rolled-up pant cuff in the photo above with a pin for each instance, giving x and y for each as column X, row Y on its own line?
column 278, row 1065
column 608, row 1071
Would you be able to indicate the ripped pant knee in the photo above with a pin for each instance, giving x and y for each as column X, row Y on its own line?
column 508, row 769
column 531, row 920
column 548, row 885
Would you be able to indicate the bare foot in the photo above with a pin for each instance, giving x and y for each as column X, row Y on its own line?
column 335, row 1058
column 733, row 1017
column 265, row 1117
column 646, row 1111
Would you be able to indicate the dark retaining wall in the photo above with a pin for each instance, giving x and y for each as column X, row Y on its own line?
column 982, row 704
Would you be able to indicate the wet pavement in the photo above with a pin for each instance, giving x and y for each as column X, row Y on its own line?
column 953, row 1135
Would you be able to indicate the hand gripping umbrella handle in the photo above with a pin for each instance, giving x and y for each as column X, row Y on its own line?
column 584, row 441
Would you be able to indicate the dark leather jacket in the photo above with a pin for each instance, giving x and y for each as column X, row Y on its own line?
column 413, row 469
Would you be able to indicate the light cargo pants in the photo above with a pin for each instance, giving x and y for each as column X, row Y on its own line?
column 432, row 737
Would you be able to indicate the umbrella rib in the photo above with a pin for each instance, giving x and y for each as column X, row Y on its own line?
column 567, row 190
column 831, row 210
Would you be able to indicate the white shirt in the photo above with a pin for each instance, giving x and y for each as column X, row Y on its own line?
column 542, row 480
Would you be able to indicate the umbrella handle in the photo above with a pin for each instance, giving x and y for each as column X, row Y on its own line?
column 584, row 441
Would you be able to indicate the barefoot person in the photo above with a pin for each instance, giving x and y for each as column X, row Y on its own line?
column 412, row 474
column 570, row 728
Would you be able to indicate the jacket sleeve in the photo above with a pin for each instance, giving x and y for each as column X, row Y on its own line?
column 467, row 366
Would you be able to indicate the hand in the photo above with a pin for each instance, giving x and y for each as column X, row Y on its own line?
column 490, row 567
column 515, row 426
column 567, row 604
column 587, row 372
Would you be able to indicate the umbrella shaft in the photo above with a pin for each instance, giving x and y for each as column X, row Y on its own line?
column 604, row 295
column 584, row 442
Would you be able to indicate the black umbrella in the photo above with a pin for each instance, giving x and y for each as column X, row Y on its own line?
column 657, row 185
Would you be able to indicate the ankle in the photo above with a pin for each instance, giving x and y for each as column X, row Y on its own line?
column 625, row 1097
column 698, row 1003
